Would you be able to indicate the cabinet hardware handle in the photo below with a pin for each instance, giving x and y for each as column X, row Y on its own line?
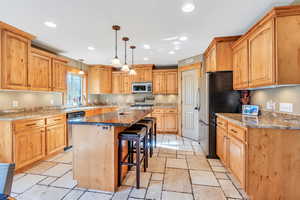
column 232, row 130
column 31, row 124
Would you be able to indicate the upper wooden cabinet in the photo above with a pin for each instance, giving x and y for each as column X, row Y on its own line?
column 241, row 66
column 121, row 82
column 100, row 79
column 15, row 60
column 144, row 73
column 165, row 81
column 218, row 56
column 269, row 51
column 39, row 70
column 59, row 75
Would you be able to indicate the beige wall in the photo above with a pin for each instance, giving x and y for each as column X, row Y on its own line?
column 278, row 95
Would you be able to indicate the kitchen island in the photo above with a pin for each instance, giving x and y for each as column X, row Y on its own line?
column 95, row 147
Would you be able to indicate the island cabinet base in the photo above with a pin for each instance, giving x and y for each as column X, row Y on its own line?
column 95, row 156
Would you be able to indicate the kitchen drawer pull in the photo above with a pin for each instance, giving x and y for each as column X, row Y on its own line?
column 234, row 131
column 57, row 119
column 31, row 124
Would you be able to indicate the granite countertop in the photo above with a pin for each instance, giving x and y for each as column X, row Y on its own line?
column 124, row 118
column 165, row 105
column 266, row 120
column 46, row 112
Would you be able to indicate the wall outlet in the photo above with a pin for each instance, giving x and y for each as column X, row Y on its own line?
column 286, row 107
column 271, row 105
column 15, row 103
column 51, row 101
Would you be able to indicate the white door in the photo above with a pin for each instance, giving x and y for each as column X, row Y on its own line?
column 189, row 104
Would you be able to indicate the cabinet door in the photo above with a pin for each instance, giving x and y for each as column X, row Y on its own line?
column 15, row 51
column 222, row 145
column 94, row 80
column 59, row 74
column 240, row 66
column 171, row 80
column 237, row 159
column 261, row 56
column 170, row 122
column 147, row 75
column 106, row 81
column 55, row 138
column 29, row 146
column 39, row 72
column 159, row 83
column 127, row 81
column 159, row 121
column 117, row 83
column 213, row 59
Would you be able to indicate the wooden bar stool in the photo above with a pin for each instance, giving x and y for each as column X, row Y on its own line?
column 149, row 125
column 136, row 136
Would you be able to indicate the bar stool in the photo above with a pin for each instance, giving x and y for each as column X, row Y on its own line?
column 136, row 136
column 149, row 125
column 153, row 119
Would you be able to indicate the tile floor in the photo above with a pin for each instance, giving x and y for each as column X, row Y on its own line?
column 178, row 171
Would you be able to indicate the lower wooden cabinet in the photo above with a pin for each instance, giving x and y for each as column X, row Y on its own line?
column 222, row 145
column 29, row 146
column 166, row 120
column 55, row 138
column 237, row 159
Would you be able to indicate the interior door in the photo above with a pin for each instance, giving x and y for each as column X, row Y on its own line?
column 190, row 101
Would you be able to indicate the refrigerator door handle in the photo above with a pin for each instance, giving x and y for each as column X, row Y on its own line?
column 198, row 107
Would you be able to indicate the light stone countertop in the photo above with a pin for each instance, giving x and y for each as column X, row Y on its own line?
column 266, row 120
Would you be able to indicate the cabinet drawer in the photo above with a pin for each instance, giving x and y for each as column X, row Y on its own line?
column 237, row 132
column 222, row 123
column 56, row 120
column 28, row 124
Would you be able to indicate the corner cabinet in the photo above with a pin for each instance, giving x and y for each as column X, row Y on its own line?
column 165, row 81
column 15, row 60
column 268, row 54
column 218, row 56
column 100, row 79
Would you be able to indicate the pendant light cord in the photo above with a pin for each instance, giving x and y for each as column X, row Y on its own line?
column 132, row 57
column 116, row 47
column 125, row 52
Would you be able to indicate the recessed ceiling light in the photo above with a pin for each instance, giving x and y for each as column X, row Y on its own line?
column 91, row 48
column 188, row 7
column 50, row 24
column 176, row 42
column 171, row 52
column 171, row 38
column 177, row 48
column 146, row 59
column 183, row 38
column 147, row 46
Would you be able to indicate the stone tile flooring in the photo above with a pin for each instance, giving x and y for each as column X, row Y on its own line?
column 177, row 171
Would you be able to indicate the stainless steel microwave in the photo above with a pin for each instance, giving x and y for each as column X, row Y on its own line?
column 138, row 88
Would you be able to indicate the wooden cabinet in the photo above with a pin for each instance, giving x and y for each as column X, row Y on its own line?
column 39, row 71
column 56, row 138
column 269, row 51
column 59, row 76
column 165, row 82
column 218, row 56
column 261, row 52
column 166, row 120
column 127, row 83
column 241, row 66
column 144, row 73
column 237, row 159
column 117, row 82
column 222, row 145
column 100, row 79
column 15, row 60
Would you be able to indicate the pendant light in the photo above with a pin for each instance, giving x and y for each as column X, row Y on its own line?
column 132, row 71
column 116, row 61
column 81, row 72
column 125, row 67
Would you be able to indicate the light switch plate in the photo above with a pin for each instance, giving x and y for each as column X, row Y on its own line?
column 51, row 101
column 286, row 107
column 15, row 103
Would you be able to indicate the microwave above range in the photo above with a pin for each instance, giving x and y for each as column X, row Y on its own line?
column 139, row 88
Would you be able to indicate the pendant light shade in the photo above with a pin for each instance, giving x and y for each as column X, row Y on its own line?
column 81, row 72
column 132, row 71
column 125, row 67
column 116, row 61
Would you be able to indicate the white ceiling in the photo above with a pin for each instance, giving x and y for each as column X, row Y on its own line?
column 83, row 23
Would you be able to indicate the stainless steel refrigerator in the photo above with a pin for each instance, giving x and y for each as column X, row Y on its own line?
column 216, row 95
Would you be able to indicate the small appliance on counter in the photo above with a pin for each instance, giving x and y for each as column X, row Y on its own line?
column 141, row 88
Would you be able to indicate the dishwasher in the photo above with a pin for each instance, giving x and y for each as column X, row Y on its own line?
column 72, row 115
